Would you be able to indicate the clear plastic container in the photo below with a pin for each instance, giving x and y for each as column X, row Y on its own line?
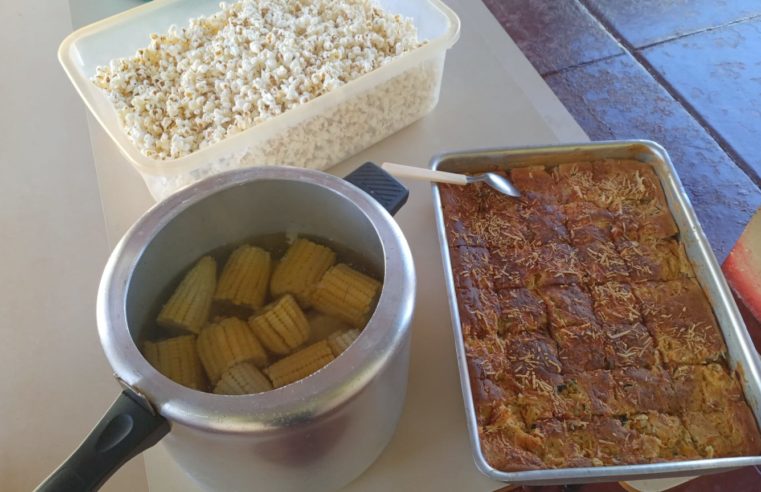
column 317, row 135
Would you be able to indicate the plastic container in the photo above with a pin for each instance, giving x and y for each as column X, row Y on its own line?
column 318, row 134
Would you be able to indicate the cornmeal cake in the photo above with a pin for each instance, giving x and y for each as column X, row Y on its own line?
column 588, row 340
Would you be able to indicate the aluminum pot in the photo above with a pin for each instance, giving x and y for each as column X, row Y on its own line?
column 318, row 433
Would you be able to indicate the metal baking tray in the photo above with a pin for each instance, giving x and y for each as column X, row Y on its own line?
column 742, row 355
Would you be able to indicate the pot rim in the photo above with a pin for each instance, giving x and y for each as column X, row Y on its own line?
column 298, row 402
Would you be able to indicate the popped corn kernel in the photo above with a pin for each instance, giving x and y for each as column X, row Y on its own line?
column 247, row 63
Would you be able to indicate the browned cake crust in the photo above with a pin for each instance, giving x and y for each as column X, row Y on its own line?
column 511, row 267
column 680, row 318
column 615, row 303
column 535, row 183
column 638, row 222
column 654, row 259
column 588, row 223
column 588, row 341
column 729, row 432
column 705, row 388
column 582, row 348
column 632, row 345
column 601, row 263
column 521, row 310
column 672, row 439
column 591, row 393
column 567, row 305
column 544, row 223
column 575, row 182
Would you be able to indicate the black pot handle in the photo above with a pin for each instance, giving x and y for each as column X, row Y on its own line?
column 379, row 184
column 126, row 430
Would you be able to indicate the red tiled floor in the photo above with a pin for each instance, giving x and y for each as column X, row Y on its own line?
column 554, row 34
column 617, row 99
column 725, row 87
column 644, row 22
column 698, row 95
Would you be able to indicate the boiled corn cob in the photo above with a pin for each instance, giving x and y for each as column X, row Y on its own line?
column 245, row 278
column 188, row 308
column 282, row 327
column 176, row 358
column 226, row 343
column 340, row 340
column 242, row 379
column 346, row 294
column 321, row 326
column 300, row 364
column 300, row 269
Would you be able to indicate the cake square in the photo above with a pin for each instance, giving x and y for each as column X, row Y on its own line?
column 680, row 319
column 632, row 345
column 535, row 183
column 601, row 263
column 583, row 348
column 545, row 223
column 502, row 230
column 605, row 441
column 645, row 390
column 511, row 267
column 463, row 230
column 654, row 259
column 672, row 301
column 705, row 388
column 458, row 200
column 695, row 342
column 533, row 373
column 590, row 393
column 627, row 182
column 575, row 181
column 505, row 448
column 477, row 301
column 559, row 450
column 567, row 305
column 638, row 222
column 672, row 439
column 588, row 223
column 615, row 303
column 553, row 264
column 730, row 432
column 521, row 310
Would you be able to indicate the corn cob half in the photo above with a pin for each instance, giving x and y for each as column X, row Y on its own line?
column 245, row 278
column 282, row 326
column 299, row 364
column 300, row 269
column 242, row 379
column 346, row 294
column 340, row 340
column 226, row 343
column 321, row 326
column 188, row 308
column 176, row 358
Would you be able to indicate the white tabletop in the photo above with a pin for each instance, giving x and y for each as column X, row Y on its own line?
column 490, row 96
column 55, row 381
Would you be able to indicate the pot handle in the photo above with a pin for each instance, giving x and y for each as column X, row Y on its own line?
column 127, row 429
column 379, row 184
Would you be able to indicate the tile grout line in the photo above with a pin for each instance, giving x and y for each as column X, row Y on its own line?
column 560, row 71
column 634, row 53
column 699, row 31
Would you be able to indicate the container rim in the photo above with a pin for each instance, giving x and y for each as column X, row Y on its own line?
column 160, row 168
column 315, row 395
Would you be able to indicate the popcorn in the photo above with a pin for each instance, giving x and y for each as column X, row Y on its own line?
column 331, row 135
column 256, row 59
